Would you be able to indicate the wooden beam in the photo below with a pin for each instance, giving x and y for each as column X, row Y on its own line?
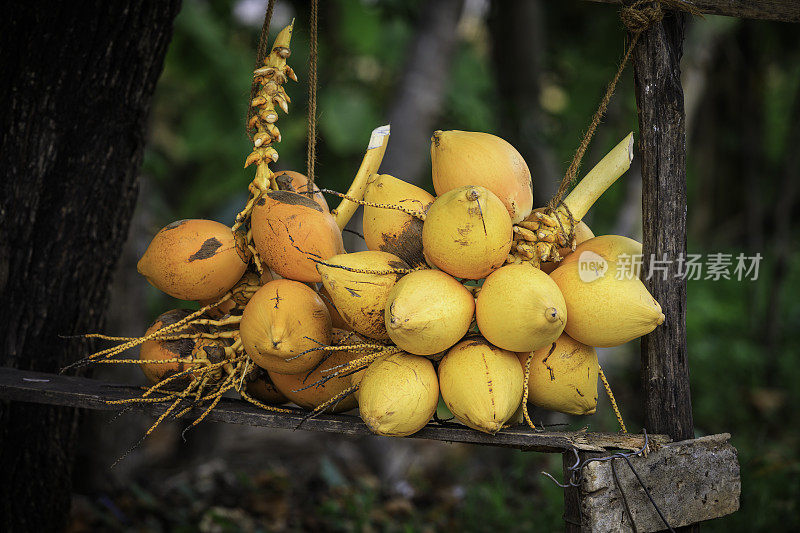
column 777, row 10
column 36, row 387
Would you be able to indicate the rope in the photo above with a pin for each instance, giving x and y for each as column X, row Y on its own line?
column 612, row 400
column 261, row 53
column 311, row 155
column 637, row 18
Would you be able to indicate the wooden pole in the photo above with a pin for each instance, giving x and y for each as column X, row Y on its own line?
column 662, row 143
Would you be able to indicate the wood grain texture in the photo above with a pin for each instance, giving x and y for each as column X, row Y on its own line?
column 690, row 481
column 777, row 10
column 25, row 386
column 662, row 144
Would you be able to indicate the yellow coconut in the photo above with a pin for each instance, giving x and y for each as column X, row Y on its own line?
column 260, row 387
column 289, row 180
column 359, row 284
column 291, row 231
column 582, row 234
column 428, row 311
column 467, row 232
column 194, row 260
column 622, row 250
column 392, row 230
column 398, row 394
column 481, row 384
column 153, row 351
column 520, row 308
column 563, row 377
column 603, row 307
column 282, row 320
column 293, row 386
column 473, row 158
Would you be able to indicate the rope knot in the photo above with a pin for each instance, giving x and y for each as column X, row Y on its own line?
column 640, row 15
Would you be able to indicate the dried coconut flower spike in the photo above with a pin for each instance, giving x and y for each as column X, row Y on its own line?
column 270, row 97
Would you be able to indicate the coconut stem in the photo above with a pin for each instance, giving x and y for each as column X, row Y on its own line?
column 600, row 178
column 369, row 165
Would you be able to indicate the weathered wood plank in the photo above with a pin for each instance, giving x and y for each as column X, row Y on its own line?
column 777, row 10
column 23, row 386
column 662, row 143
column 690, row 481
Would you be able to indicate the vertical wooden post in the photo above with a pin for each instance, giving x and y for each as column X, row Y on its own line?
column 662, row 143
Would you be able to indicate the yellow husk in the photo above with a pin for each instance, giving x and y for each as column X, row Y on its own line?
column 467, row 232
column 473, row 158
column 360, row 297
column 520, row 308
column 392, row 230
column 428, row 311
column 608, row 311
column 609, row 247
column 481, row 384
column 563, row 377
column 398, row 394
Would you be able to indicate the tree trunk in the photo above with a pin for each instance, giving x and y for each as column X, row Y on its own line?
column 76, row 88
column 417, row 104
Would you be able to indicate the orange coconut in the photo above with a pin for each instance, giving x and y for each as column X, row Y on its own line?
column 260, row 387
column 291, row 231
column 283, row 319
column 194, row 260
column 467, row 232
column 473, row 158
column 293, row 386
column 610, row 247
column 153, row 351
column 289, row 180
column 392, row 230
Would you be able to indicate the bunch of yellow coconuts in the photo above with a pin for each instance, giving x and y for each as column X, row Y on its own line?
column 464, row 295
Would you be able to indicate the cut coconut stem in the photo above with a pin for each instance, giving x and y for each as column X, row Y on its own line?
column 369, row 165
column 600, row 178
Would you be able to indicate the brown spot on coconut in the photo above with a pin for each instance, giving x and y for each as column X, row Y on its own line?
column 289, row 180
column 193, row 260
column 283, row 319
column 260, row 387
column 462, row 158
column 291, row 232
column 398, row 394
column 563, row 377
column 428, row 311
column 520, row 308
column 393, row 230
column 153, row 351
column 467, row 233
column 481, row 384
column 358, row 284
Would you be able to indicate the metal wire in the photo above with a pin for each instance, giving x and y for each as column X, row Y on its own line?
column 576, row 476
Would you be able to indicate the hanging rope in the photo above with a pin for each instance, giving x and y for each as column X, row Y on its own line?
column 261, row 53
column 311, row 155
column 637, row 17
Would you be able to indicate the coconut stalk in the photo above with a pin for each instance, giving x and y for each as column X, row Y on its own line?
column 545, row 234
column 270, row 80
column 369, row 166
